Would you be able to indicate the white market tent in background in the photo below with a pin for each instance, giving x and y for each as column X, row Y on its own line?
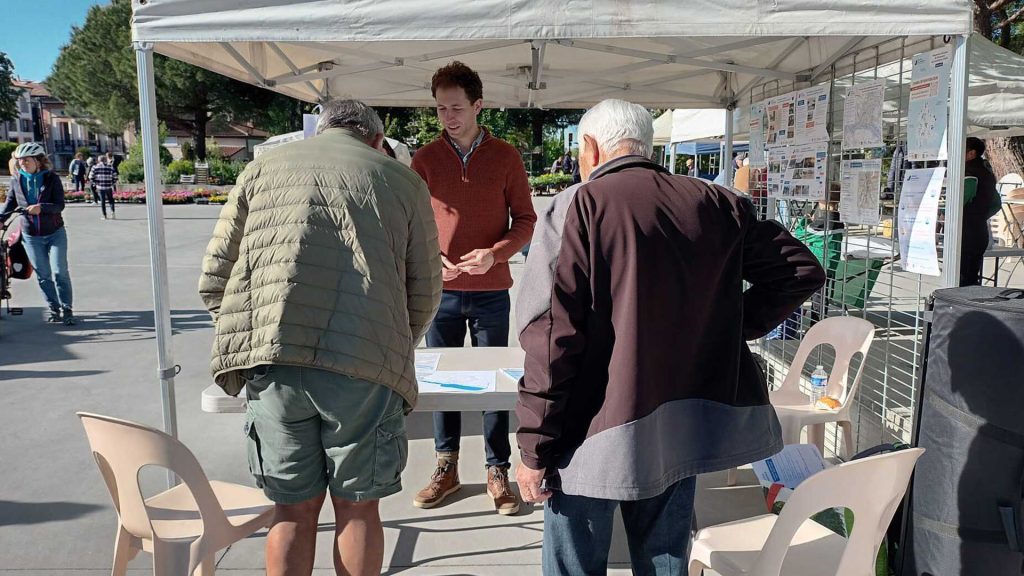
column 529, row 53
column 663, row 129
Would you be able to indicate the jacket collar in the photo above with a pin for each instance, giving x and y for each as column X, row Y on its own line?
column 624, row 162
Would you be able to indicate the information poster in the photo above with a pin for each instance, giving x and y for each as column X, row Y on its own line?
column 862, row 115
column 811, row 115
column 756, row 139
column 781, row 120
column 800, row 171
column 918, row 215
column 929, row 95
column 859, row 195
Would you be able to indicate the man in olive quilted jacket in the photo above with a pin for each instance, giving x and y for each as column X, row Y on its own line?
column 323, row 274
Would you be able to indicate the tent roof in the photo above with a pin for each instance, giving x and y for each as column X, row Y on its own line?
column 663, row 129
column 546, row 53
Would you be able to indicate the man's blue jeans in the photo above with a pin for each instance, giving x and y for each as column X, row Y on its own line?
column 578, row 532
column 485, row 314
column 49, row 258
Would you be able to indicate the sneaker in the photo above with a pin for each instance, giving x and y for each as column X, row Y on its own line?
column 104, row 217
column 54, row 317
column 69, row 317
column 444, row 481
column 505, row 500
column 113, row 216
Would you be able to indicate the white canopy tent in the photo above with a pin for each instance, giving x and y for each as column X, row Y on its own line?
column 529, row 53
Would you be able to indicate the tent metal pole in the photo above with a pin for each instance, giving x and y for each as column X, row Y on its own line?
column 957, row 151
column 727, row 164
column 166, row 369
column 672, row 156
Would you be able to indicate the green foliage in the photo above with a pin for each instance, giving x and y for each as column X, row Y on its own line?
column 188, row 152
column 554, row 180
column 176, row 169
column 8, row 93
column 131, row 171
column 85, row 151
column 554, row 147
column 213, row 150
column 95, row 75
column 6, row 149
column 225, row 171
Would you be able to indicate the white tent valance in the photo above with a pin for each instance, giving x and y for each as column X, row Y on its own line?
column 545, row 53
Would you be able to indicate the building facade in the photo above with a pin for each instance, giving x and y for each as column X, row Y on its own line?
column 45, row 119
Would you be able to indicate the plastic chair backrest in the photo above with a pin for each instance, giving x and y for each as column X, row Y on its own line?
column 123, row 448
column 871, row 487
column 847, row 336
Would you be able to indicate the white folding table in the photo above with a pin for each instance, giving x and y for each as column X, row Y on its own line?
column 475, row 359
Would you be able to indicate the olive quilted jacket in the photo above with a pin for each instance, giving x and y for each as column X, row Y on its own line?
column 325, row 256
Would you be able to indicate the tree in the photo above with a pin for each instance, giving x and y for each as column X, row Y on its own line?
column 1002, row 21
column 8, row 93
column 95, row 75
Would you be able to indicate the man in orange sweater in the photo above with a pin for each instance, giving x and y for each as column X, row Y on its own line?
column 481, row 200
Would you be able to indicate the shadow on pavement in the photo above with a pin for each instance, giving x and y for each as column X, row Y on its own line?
column 25, row 513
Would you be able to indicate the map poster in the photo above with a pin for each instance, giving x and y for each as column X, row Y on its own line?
column 800, row 171
column 811, row 112
column 859, row 195
column 862, row 115
column 917, row 219
column 781, row 120
column 757, row 125
column 929, row 96
column 775, row 160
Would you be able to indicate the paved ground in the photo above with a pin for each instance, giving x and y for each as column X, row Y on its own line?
column 55, row 515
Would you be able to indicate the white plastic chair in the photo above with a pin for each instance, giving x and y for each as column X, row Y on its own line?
column 182, row 527
column 791, row 544
column 847, row 336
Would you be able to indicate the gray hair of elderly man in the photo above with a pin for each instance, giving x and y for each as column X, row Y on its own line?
column 352, row 115
column 617, row 125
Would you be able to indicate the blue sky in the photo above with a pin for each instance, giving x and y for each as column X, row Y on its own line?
column 35, row 30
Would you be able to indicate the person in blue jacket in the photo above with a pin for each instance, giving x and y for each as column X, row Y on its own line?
column 38, row 190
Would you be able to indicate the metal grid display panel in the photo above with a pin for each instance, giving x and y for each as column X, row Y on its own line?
column 894, row 301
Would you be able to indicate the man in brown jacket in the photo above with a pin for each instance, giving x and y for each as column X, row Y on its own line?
column 634, row 322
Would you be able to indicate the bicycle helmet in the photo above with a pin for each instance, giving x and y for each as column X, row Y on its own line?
column 29, row 149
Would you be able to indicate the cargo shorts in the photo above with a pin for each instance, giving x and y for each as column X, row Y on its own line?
column 311, row 430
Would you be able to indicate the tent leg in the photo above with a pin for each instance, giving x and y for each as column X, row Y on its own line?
column 157, row 247
column 727, row 164
column 955, row 165
column 672, row 157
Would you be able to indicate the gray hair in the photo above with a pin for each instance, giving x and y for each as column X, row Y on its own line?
column 618, row 124
column 351, row 114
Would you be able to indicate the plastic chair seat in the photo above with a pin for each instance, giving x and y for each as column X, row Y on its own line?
column 174, row 514
column 731, row 549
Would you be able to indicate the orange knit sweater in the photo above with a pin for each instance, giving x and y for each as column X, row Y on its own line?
column 485, row 204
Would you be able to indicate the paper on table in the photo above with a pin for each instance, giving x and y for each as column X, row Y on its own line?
column 426, row 362
column 793, row 465
column 448, row 381
column 513, row 373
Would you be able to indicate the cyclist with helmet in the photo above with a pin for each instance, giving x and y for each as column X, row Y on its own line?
column 39, row 191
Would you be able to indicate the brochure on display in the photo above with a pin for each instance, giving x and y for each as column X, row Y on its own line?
column 917, row 217
column 798, row 172
column 929, row 94
column 859, row 194
column 756, row 139
column 862, row 115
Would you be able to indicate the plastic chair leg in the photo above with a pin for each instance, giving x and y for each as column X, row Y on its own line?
column 125, row 548
column 730, row 477
column 207, row 566
column 696, row 568
column 848, row 441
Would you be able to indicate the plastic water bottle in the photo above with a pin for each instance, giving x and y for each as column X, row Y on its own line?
column 819, row 384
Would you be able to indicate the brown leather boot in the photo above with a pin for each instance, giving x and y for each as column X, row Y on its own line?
column 445, row 481
column 505, row 500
